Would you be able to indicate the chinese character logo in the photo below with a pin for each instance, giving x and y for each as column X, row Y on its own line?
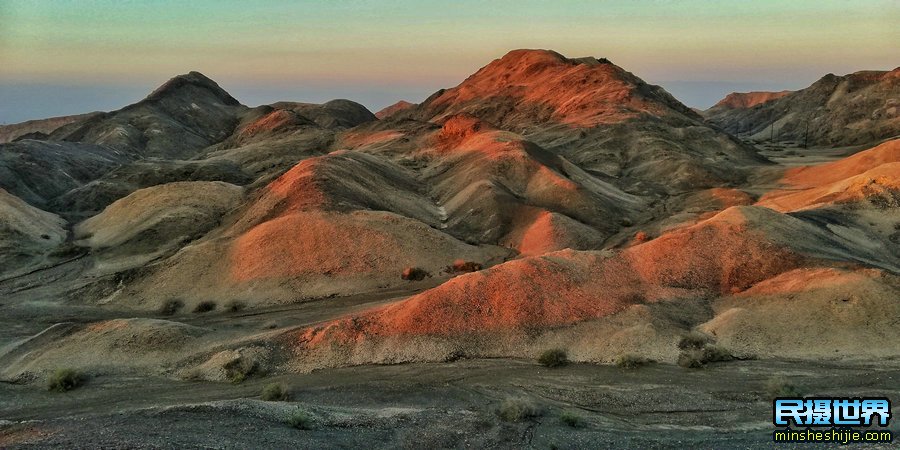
column 831, row 412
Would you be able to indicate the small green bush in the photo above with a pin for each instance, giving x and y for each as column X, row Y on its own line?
column 205, row 307
column 64, row 380
column 517, row 410
column 571, row 419
column 301, row 420
column 630, row 361
column 553, row 358
column 274, row 392
column 778, row 386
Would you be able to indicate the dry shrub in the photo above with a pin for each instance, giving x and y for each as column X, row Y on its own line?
column 694, row 339
column 461, row 266
column 553, row 358
column 235, row 306
column 170, row 307
column 414, row 274
column 691, row 358
column 631, row 361
column 64, row 380
column 517, row 410
column 571, row 419
column 779, row 386
column 697, row 349
column 240, row 369
column 274, row 392
column 204, row 307
column 301, row 420
column 716, row 353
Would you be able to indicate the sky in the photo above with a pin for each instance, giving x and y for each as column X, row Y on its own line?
column 61, row 57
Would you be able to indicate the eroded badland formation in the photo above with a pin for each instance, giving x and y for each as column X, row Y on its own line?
column 545, row 203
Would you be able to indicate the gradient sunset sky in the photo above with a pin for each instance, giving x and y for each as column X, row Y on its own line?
column 63, row 57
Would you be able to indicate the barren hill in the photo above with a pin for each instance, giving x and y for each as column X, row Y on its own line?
column 544, row 202
column 532, row 154
column 26, row 234
column 393, row 109
column 184, row 115
column 859, row 108
column 743, row 100
column 597, row 115
column 869, row 175
column 188, row 129
column 498, row 312
column 528, row 87
column 41, row 128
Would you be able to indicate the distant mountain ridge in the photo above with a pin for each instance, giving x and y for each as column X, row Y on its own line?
column 748, row 99
column 855, row 109
column 39, row 128
column 393, row 109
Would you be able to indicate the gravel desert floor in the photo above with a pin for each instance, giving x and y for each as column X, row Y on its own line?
column 437, row 405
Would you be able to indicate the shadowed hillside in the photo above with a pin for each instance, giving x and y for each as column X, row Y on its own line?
column 856, row 109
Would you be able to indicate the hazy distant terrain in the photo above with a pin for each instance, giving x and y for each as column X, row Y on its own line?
column 38, row 129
